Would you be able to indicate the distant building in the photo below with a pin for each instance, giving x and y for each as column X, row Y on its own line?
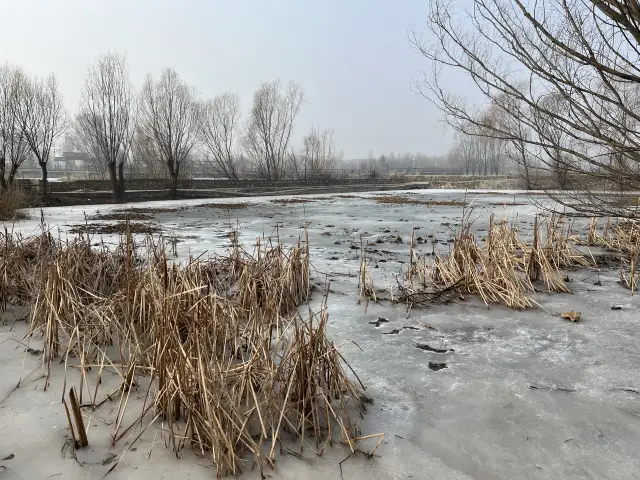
column 31, row 162
column 70, row 162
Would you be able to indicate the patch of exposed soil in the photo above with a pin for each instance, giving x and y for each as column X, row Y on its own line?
column 114, row 228
column 380, row 321
column 286, row 201
column 437, row 366
column 402, row 200
column 143, row 211
column 121, row 216
column 432, row 349
column 506, row 204
column 224, row 206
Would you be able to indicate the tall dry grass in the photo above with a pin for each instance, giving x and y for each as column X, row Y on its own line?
column 621, row 236
column 502, row 269
column 12, row 201
column 226, row 363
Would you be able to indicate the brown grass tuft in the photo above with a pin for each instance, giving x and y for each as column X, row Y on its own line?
column 501, row 270
column 401, row 200
column 228, row 364
column 12, row 201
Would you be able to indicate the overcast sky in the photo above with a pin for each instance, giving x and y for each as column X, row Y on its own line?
column 352, row 58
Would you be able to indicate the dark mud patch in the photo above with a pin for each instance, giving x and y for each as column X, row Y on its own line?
column 121, row 216
column 611, row 260
column 120, row 228
column 395, row 331
column 224, row 206
column 293, row 200
column 402, row 200
column 437, row 366
column 428, row 348
column 635, row 391
column 147, row 211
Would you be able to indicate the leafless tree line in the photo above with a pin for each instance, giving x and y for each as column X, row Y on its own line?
column 475, row 154
column 157, row 131
column 560, row 84
column 32, row 119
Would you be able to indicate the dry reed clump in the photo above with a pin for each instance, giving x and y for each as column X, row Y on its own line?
column 501, row 270
column 617, row 235
column 621, row 236
column 230, row 368
column 12, row 201
column 401, row 200
column 19, row 258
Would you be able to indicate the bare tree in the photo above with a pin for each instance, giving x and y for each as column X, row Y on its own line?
column 42, row 119
column 517, row 150
column 80, row 139
column 464, row 153
column 14, row 149
column 584, row 52
column 219, row 133
column 107, row 117
column 318, row 155
column 476, row 152
column 270, row 125
column 170, row 117
column 147, row 161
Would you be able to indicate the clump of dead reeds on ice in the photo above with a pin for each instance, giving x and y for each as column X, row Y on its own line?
column 502, row 269
column 621, row 236
column 228, row 364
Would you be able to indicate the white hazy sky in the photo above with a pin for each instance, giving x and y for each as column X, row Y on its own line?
column 352, row 58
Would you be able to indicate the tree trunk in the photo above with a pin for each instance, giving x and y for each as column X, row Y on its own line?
column 121, row 182
column 45, row 185
column 3, row 182
column 114, row 182
column 117, row 182
column 527, row 179
column 12, row 175
column 173, row 189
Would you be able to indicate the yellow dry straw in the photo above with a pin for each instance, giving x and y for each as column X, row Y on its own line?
column 228, row 363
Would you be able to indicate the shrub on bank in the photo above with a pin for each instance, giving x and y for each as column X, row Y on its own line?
column 12, row 201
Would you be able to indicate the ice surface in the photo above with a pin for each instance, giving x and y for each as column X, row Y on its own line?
column 523, row 394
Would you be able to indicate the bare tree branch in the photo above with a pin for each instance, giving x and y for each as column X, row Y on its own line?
column 565, row 77
column 170, row 117
column 14, row 149
column 42, row 119
column 107, row 115
column 270, row 125
column 318, row 156
column 219, row 133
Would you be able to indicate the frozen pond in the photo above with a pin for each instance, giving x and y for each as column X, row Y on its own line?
column 525, row 394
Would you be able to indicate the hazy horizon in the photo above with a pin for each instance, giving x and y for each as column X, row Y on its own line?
column 353, row 61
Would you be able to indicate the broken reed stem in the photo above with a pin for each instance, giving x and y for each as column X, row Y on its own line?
column 77, row 415
column 410, row 270
column 632, row 279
